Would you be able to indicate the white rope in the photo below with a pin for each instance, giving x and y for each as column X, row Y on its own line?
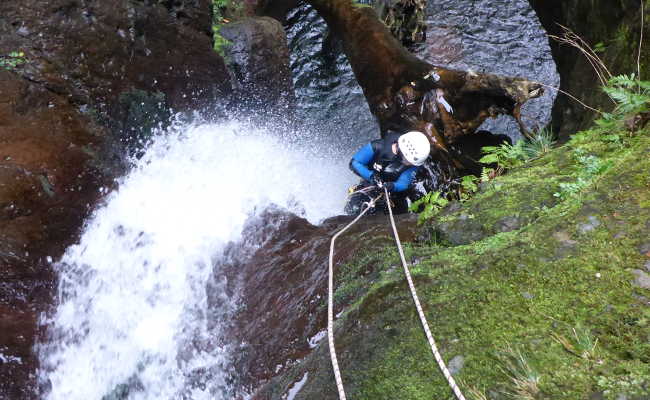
column 423, row 319
column 330, row 301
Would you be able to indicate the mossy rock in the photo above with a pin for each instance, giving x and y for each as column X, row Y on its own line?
column 554, row 290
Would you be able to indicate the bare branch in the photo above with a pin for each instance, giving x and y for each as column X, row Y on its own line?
column 573, row 97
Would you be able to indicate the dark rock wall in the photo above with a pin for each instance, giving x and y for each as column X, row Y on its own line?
column 502, row 37
column 50, row 172
column 94, row 51
column 615, row 24
column 259, row 58
column 91, row 72
column 329, row 98
column 498, row 37
column 280, row 272
column 484, row 36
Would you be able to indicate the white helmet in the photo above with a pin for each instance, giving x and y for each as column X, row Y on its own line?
column 415, row 147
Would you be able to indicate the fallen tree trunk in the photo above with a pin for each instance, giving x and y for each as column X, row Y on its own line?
column 404, row 92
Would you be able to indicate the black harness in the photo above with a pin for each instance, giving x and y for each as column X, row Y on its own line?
column 387, row 164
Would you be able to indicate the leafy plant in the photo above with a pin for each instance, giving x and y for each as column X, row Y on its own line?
column 12, row 60
column 430, row 204
column 219, row 10
column 433, row 202
column 220, row 42
column 487, row 174
column 541, row 143
column 218, row 7
column 506, row 156
column 591, row 168
column 632, row 97
column 599, row 47
column 468, row 186
column 631, row 94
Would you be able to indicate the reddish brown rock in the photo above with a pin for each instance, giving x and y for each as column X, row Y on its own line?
column 280, row 272
column 49, row 178
column 102, row 58
column 95, row 51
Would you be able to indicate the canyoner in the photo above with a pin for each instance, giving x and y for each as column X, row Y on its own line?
column 387, row 167
column 389, row 163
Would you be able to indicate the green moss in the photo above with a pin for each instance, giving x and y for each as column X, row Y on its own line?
column 556, row 290
column 527, row 286
column 220, row 43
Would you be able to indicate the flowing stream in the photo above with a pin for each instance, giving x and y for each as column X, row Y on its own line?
column 132, row 303
column 495, row 36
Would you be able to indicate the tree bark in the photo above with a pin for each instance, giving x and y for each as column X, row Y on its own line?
column 402, row 90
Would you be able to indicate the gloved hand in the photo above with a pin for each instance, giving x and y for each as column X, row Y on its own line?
column 376, row 180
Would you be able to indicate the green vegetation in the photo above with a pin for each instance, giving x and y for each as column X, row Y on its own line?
column 220, row 43
column 361, row 3
column 508, row 156
column 467, row 187
column 430, row 204
column 12, row 60
column 579, row 342
column 533, row 290
column 631, row 96
column 524, row 379
column 590, row 168
column 600, row 47
column 221, row 9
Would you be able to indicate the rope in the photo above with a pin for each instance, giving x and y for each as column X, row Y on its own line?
column 423, row 319
column 330, row 302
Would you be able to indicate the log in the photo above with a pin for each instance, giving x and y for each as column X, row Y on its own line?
column 401, row 90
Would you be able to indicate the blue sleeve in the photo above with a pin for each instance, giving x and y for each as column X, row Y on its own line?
column 405, row 179
column 361, row 160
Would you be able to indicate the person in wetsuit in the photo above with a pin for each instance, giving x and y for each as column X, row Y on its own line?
column 390, row 162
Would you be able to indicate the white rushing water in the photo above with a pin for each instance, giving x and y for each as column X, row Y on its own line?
column 131, row 315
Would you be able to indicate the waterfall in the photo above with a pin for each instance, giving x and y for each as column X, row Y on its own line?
column 131, row 314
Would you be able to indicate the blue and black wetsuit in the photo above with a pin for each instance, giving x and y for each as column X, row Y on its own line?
column 377, row 157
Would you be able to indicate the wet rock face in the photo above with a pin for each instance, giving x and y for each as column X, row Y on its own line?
column 259, row 57
column 280, row 274
column 503, row 38
column 50, row 173
column 95, row 51
column 90, row 72
column 277, row 9
column 499, row 37
column 329, row 98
